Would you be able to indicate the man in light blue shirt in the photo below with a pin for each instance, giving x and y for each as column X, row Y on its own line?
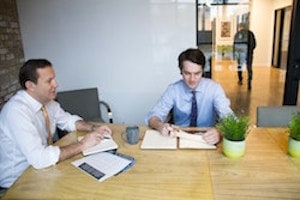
column 211, row 100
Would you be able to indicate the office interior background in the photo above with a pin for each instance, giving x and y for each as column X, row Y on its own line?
column 129, row 49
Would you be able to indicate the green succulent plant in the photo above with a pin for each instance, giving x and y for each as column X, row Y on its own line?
column 234, row 128
column 294, row 126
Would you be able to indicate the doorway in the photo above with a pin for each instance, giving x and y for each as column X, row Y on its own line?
column 281, row 38
column 217, row 23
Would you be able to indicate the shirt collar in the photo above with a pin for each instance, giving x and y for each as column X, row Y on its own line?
column 199, row 87
column 36, row 105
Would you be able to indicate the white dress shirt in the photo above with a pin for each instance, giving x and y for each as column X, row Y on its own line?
column 23, row 135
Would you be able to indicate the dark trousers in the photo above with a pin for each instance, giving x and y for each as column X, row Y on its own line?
column 249, row 61
column 2, row 191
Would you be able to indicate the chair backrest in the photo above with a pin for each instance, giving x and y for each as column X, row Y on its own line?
column 83, row 102
column 275, row 116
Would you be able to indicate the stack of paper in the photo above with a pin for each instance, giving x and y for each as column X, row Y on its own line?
column 103, row 165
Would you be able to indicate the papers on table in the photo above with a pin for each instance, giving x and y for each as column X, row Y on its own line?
column 104, row 164
column 104, row 145
column 154, row 140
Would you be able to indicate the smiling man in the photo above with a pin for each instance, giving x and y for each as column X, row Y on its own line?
column 210, row 101
column 28, row 121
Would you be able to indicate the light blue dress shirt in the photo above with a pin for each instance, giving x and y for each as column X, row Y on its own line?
column 23, row 135
column 212, row 103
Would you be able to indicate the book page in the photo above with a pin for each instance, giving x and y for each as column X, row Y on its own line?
column 104, row 145
column 192, row 144
column 193, row 141
column 154, row 140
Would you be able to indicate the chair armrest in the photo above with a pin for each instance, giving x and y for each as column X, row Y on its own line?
column 109, row 112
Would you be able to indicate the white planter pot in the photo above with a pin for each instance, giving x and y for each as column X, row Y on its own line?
column 294, row 148
column 234, row 149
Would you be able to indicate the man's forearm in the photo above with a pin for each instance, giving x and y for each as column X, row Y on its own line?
column 84, row 126
column 70, row 150
column 155, row 122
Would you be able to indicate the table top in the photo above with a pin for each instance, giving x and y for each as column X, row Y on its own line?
column 265, row 172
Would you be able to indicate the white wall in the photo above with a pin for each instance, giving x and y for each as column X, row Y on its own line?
column 277, row 4
column 262, row 24
column 128, row 49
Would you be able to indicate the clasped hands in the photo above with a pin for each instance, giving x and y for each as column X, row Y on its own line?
column 211, row 135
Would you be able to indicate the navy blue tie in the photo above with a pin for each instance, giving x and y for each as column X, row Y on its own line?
column 194, row 110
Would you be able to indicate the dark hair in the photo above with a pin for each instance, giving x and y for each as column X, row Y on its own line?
column 28, row 71
column 193, row 55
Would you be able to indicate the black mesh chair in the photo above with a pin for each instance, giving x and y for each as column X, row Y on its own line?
column 275, row 116
column 85, row 103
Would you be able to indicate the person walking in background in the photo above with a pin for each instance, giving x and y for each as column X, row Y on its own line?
column 195, row 101
column 243, row 47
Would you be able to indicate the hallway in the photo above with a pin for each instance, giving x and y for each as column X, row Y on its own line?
column 267, row 87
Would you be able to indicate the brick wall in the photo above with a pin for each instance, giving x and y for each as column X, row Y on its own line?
column 11, row 50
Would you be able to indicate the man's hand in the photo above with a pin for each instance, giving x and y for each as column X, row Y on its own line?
column 211, row 136
column 103, row 130
column 95, row 137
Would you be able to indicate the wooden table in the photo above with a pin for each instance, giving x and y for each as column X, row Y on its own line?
column 265, row 172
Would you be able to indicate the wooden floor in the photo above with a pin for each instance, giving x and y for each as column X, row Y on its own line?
column 267, row 87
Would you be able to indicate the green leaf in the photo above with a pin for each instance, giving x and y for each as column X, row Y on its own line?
column 233, row 127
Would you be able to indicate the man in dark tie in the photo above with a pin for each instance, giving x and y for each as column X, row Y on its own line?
column 194, row 100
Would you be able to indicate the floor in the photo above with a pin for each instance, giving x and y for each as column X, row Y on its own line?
column 267, row 87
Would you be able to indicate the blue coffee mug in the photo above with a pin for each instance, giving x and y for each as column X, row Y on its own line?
column 132, row 134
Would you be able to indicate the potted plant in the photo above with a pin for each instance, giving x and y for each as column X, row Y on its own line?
column 234, row 130
column 294, row 136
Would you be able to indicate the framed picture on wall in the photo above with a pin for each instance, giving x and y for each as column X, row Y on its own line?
column 225, row 30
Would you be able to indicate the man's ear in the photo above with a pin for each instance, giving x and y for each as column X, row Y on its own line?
column 30, row 85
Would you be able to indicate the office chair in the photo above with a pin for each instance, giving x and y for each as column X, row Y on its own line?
column 275, row 116
column 85, row 103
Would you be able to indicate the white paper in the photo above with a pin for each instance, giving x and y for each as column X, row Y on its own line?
column 107, row 163
column 192, row 144
column 196, row 137
column 193, row 141
column 154, row 140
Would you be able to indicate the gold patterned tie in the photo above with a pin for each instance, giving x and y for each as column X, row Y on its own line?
column 46, row 116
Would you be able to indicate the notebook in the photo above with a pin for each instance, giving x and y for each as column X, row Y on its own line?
column 105, row 145
column 154, row 140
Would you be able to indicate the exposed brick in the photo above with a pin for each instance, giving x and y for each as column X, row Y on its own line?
column 11, row 50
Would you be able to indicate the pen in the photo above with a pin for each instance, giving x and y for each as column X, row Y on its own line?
column 105, row 137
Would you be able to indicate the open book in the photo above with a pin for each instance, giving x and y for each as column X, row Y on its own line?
column 106, row 144
column 183, row 140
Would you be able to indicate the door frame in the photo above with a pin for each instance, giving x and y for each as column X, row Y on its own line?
column 290, row 96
